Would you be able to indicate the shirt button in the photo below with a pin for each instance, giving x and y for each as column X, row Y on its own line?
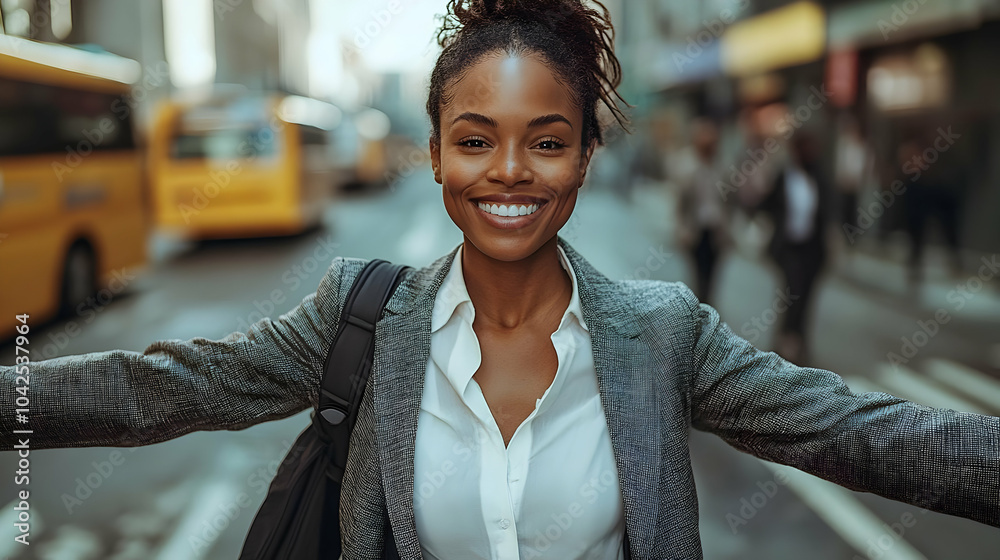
column 504, row 524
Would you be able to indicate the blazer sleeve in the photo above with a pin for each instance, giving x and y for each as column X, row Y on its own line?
column 808, row 418
column 173, row 387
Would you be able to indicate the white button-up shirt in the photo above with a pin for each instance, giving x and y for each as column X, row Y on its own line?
column 551, row 493
column 801, row 200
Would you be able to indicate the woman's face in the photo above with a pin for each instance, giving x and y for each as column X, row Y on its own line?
column 510, row 140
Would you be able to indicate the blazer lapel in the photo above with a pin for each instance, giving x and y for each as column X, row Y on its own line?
column 627, row 395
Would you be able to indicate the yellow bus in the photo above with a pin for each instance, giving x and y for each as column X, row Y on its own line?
column 72, row 204
column 238, row 165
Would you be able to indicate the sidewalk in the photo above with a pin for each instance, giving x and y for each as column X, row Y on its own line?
column 973, row 294
column 968, row 302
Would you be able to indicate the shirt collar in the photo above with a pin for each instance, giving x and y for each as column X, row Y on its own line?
column 453, row 294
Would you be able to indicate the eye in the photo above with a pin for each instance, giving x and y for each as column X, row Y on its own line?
column 550, row 145
column 473, row 142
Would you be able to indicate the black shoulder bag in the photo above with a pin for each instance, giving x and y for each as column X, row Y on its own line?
column 300, row 516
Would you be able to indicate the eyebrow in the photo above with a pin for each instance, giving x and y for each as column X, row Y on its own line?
column 491, row 122
column 476, row 118
column 549, row 119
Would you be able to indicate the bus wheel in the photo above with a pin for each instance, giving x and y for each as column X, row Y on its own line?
column 79, row 277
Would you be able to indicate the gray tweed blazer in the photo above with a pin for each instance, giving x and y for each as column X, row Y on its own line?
column 665, row 363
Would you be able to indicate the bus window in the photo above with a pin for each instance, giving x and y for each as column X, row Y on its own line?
column 39, row 118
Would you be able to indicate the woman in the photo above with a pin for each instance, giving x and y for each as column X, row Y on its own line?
column 521, row 404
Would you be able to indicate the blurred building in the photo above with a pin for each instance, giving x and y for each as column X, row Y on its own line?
column 904, row 71
column 180, row 44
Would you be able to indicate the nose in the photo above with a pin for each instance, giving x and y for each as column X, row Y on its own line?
column 510, row 166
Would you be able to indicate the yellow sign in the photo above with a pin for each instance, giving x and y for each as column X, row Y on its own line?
column 795, row 34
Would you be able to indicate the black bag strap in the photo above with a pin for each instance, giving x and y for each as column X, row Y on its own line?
column 349, row 360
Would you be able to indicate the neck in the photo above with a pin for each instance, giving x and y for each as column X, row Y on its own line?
column 509, row 294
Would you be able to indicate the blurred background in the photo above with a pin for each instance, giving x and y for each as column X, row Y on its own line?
column 826, row 174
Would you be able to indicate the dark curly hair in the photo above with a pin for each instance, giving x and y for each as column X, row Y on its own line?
column 575, row 41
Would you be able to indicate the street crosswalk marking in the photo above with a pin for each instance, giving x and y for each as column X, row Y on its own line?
column 218, row 489
column 70, row 542
column 944, row 384
column 863, row 385
column 846, row 515
column 904, row 382
column 856, row 524
column 214, row 491
column 971, row 383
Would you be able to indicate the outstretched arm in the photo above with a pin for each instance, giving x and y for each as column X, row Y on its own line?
column 173, row 387
column 808, row 418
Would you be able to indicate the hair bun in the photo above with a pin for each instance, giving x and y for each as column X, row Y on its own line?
column 483, row 12
column 561, row 16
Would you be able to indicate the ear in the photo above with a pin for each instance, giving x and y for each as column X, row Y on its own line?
column 585, row 160
column 435, row 148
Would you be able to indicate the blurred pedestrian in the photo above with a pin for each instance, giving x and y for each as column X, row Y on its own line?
column 933, row 192
column 703, row 217
column 798, row 206
column 645, row 161
column 855, row 169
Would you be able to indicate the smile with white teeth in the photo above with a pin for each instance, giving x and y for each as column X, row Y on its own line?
column 509, row 209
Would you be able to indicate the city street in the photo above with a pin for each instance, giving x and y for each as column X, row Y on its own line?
column 194, row 497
